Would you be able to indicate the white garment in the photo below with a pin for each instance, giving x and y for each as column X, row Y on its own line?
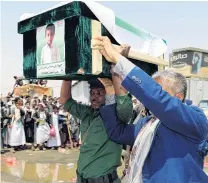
column 8, row 130
column 123, row 67
column 110, row 99
column 7, row 136
column 140, row 151
column 43, row 129
column 145, row 137
column 17, row 137
column 50, row 54
column 55, row 141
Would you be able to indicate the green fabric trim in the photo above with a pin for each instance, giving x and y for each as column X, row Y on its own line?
column 137, row 31
column 29, row 54
column 69, row 10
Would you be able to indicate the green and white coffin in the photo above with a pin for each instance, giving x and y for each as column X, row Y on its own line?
column 71, row 56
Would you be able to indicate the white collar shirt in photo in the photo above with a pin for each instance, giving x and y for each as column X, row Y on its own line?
column 50, row 54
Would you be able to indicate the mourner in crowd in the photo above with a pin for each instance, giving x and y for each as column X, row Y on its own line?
column 17, row 134
column 42, row 120
column 29, row 123
column 54, row 140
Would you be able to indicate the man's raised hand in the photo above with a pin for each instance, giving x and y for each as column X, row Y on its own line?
column 107, row 49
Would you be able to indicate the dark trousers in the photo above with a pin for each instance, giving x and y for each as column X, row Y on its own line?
column 64, row 135
column 29, row 132
column 75, row 135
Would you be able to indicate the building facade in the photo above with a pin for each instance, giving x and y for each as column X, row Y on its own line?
column 192, row 63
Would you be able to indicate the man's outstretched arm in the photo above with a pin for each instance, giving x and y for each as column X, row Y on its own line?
column 119, row 132
column 75, row 109
column 124, row 106
column 173, row 113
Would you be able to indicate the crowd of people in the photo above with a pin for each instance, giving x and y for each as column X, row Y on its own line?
column 20, row 81
column 38, row 123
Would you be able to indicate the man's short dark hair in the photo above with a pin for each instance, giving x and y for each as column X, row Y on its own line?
column 50, row 27
column 2, row 104
column 55, row 107
column 16, row 99
column 95, row 83
column 44, row 97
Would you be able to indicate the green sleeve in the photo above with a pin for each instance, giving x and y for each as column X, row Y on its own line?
column 77, row 110
column 124, row 107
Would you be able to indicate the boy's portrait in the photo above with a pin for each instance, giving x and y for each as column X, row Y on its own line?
column 50, row 43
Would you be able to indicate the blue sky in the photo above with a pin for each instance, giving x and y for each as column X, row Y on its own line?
column 182, row 24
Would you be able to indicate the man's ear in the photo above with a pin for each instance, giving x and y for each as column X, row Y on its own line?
column 180, row 96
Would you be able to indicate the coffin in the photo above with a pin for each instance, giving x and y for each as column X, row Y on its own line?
column 68, row 54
